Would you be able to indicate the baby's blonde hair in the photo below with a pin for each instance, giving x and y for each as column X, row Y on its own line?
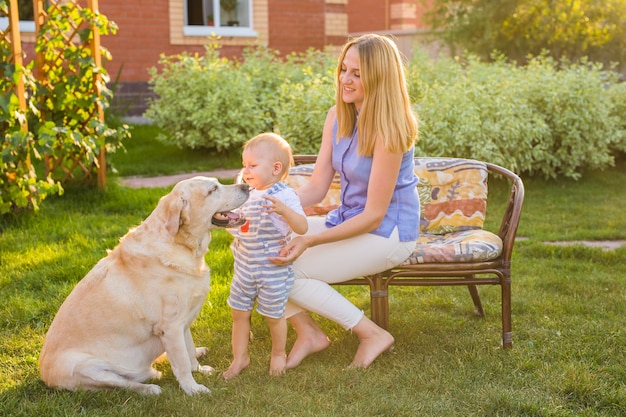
column 280, row 148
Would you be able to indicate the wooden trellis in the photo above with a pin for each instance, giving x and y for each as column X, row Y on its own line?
column 66, row 161
column 12, row 36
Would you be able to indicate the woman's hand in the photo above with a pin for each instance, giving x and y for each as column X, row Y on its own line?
column 291, row 251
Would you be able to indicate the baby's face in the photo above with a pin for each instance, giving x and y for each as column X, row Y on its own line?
column 260, row 170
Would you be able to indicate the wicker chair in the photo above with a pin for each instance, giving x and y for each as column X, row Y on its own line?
column 482, row 266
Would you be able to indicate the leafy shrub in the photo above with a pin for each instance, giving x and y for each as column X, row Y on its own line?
column 533, row 119
column 544, row 118
column 205, row 101
column 19, row 186
column 617, row 93
column 71, row 94
column 267, row 72
column 218, row 103
column 303, row 109
column 61, row 119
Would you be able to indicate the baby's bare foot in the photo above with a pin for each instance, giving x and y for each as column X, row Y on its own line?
column 236, row 367
column 278, row 365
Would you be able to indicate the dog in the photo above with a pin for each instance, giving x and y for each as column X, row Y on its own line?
column 138, row 302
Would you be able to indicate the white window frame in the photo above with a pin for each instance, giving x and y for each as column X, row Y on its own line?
column 230, row 31
column 26, row 26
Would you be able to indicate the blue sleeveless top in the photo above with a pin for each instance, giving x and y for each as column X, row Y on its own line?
column 354, row 171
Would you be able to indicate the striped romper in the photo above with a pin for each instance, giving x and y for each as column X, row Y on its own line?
column 256, row 278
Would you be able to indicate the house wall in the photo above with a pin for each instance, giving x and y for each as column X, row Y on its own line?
column 284, row 25
column 149, row 28
column 368, row 15
column 296, row 25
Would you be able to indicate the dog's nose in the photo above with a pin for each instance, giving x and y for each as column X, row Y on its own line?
column 244, row 187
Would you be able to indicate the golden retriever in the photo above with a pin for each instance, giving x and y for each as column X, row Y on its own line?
column 138, row 302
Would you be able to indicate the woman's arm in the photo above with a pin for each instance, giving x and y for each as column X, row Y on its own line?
column 315, row 190
column 383, row 178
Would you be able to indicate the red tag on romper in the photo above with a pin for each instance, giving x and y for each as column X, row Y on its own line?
column 244, row 227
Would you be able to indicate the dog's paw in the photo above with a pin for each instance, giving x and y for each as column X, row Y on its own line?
column 205, row 369
column 201, row 351
column 196, row 389
column 150, row 389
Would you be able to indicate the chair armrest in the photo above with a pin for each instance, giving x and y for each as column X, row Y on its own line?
column 513, row 211
column 304, row 159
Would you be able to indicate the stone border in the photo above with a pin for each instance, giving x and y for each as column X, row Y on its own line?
column 605, row 245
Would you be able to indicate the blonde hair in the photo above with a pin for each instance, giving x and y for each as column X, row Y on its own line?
column 280, row 148
column 386, row 111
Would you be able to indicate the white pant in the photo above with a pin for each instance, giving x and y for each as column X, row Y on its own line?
column 336, row 262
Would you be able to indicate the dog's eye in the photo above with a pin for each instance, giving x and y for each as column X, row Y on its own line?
column 212, row 190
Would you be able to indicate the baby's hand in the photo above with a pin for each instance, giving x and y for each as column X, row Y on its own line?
column 275, row 205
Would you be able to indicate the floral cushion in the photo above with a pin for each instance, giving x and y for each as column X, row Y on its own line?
column 300, row 175
column 453, row 194
column 453, row 202
column 461, row 246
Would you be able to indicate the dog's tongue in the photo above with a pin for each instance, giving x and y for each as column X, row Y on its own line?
column 227, row 219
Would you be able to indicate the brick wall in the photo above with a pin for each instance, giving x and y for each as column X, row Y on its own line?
column 149, row 28
column 296, row 25
column 367, row 15
column 143, row 34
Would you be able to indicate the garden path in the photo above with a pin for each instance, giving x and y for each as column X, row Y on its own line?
column 167, row 180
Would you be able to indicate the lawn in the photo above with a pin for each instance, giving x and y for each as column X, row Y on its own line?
column 568, row 356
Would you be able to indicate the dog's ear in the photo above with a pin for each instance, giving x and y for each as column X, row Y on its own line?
column 174, row 214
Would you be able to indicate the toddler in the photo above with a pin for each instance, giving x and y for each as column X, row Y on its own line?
column 272, row 211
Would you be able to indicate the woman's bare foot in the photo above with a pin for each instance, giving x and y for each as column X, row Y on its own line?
column 373, row 341
column 310, row 339
column 278, row 365
column 236, row 367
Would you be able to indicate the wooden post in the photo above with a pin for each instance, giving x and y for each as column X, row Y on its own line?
column 95, row 53
column 16, row 41
column 38, row 15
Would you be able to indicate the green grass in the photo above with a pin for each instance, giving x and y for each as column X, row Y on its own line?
column 568, row 317
column 146, row 156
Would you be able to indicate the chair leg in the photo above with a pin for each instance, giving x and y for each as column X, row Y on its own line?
column 478, row 306
column 379, row 298
column 507, row 331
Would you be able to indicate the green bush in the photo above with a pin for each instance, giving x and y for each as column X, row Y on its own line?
column 534, row 119
column 217, row 103
column 545, row 118
column 617, row 93
column 205, row 102
column 61, row 119
column 19, row 186
column 303, row 109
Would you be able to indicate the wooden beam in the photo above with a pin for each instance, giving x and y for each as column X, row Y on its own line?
column 95, row 53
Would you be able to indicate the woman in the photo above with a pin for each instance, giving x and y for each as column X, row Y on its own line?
column 368, row 138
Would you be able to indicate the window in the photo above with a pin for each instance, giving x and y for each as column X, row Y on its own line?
column 26, row 13
column 222, row 17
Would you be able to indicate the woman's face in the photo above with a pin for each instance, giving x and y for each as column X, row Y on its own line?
column 350, row 79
